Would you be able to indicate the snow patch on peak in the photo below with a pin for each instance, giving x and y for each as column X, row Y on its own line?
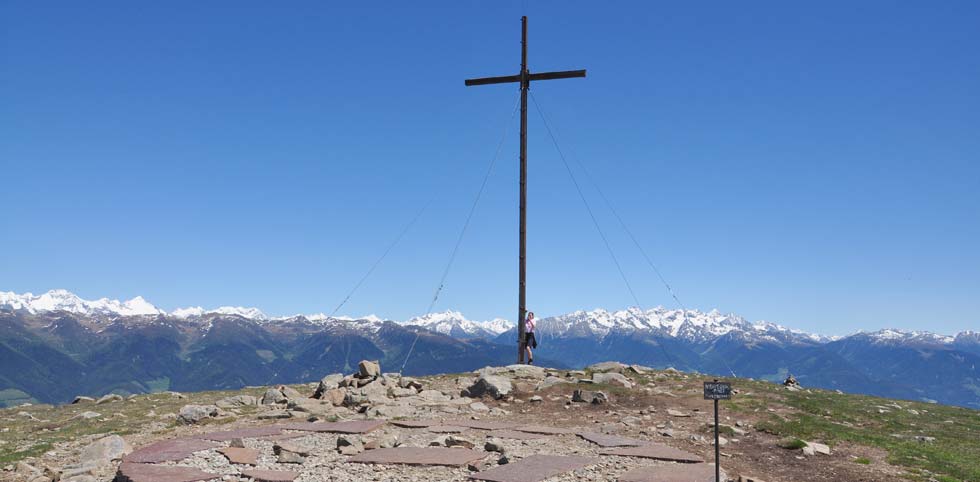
column 197, row 311
column 189, row 312
column 251, row 313
column 451, row 322
column 893, row 335
column 64, row 300
column 371, row 318
column 497, row 325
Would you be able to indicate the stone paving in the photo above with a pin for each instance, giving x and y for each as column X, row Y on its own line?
column 655, row 451
column 673, row 473
column 534, row 468
column 606, row 440
column 168, row 450
column 434, row 436
column 514, row 434
column 419, row 456
column 133, row 472
column 352, row 426
column 239, row 455
column 262, row 475
column 541, row 453
column 250, row 432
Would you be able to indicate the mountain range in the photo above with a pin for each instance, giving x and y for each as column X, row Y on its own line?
column 56, row 345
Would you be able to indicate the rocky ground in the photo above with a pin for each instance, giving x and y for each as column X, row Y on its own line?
column 763, row 429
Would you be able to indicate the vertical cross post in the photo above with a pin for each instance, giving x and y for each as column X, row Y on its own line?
column 525, row 77
column 522, row 243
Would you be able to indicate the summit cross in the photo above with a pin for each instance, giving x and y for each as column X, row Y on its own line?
column 525, row 77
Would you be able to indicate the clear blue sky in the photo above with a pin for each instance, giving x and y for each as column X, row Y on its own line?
column 812, row 165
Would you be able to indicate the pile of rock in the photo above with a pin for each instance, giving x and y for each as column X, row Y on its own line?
column 95, row 463
column 595, row 398
column 791, row 384
column 369, row 389
column 192, row 414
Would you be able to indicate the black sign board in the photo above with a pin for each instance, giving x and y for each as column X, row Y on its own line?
column 717, row 391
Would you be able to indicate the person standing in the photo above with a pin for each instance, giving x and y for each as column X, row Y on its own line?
column 529, row 340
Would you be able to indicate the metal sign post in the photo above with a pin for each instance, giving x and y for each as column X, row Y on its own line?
column 715, row 391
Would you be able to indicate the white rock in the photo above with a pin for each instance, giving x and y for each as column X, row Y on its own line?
column 105, row 450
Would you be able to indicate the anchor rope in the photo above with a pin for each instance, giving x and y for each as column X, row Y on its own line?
column 383, row 256
column 585, row 201
column 623, row 224
column 462, row 232
column 595, row 222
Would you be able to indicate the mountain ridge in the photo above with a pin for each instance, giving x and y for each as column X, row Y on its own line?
column 44, row 345
column 690, row 322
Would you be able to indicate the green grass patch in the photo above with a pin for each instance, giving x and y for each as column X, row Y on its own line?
column 6, row 458
column 862, row 461
column 722, row 429
column 952, row 449
column 57, row 424
column 790, row 443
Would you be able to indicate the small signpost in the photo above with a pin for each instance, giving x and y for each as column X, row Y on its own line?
column 716, row 390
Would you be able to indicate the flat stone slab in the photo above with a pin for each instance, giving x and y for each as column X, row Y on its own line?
column 353, row 426
column 606, row 440
column 447, row 429
column 133, row 472
column 452, row 457
column 655, row 451
column 262, row 475
column 534, row 468
column 168, row 450
column 514, row 434
column 414, row 423
column 282, row 436
column 237, row 455
column 541, row 429
column 250, row 432
column 484, row 424
column 673, row 473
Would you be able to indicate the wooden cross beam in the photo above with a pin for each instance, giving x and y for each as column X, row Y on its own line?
column 525, row 78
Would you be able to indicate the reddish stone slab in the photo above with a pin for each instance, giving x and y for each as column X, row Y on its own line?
column 452, row 457
column 514, row 434
column 250, row 432
column 606, row 440
column 484, row 424
column 534, row 468
column 673, row 473
column 238, row 455
column 133, row 472
column 262, row 475
column 414, row 423
column 655, row 451
column 168, row 450
column 446, row 429
column 353, row 426
column 541, row 429
column 282, row 436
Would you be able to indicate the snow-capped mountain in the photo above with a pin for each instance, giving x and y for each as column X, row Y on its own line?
column 689, row 325
column 234, row 346
column 891, row 336
column 62, row 300
column 454, row 324
column 692, row 326
column 250, row 313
